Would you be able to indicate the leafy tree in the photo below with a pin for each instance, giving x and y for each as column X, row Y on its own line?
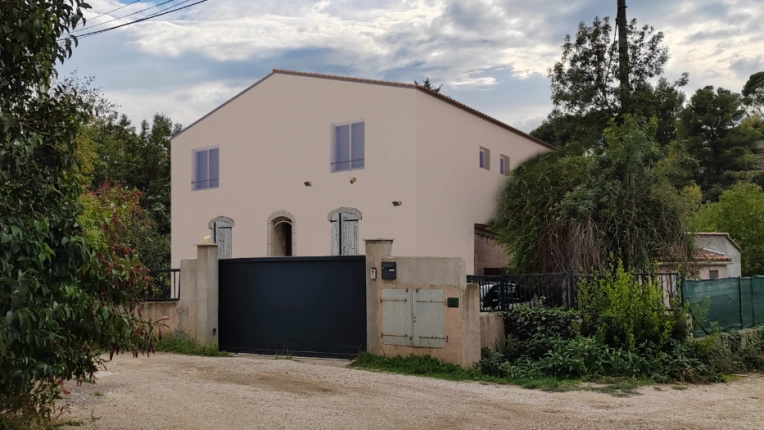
column 61, row 302
column 753, row 91
column 586, row 89
column 136, row 229
column 138, row 160
column 427, row 84
column 739, row 213
column 572, row 210
column 152, row 173
column 111, row 149
column 710, row 127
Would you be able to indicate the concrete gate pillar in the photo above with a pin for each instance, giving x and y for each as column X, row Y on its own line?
column 376, row 250
column 207, row 294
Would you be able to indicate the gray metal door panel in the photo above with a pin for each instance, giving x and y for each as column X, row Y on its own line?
column 396, row 317
column 429, row 318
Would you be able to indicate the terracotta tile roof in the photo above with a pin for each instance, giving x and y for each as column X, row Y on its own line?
column 425, row 90
column 704, row 254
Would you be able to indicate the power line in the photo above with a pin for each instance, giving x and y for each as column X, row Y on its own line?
column 125, row 16
column 146, row 18
column 114, row 10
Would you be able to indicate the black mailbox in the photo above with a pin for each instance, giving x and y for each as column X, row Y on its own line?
column 388, row 270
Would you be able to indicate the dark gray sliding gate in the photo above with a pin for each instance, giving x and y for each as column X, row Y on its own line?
column 311, row 306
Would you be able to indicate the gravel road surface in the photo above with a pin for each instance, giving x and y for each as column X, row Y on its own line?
column 169, row 391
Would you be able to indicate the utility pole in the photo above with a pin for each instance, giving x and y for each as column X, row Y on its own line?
column 623, row 58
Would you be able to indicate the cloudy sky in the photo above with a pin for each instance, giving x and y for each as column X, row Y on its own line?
column 491, row 55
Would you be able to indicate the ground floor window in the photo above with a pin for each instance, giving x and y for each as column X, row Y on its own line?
column 221, row 229
column 344, row 222
column 281, row 234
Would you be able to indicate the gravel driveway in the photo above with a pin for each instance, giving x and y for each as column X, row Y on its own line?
column 169, row 391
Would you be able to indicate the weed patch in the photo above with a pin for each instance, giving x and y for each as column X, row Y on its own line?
column 182, row 344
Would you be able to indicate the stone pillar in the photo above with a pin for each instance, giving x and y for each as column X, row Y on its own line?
column 187, row 301
column 207, row 294
column 470, row 324
column 376, row 250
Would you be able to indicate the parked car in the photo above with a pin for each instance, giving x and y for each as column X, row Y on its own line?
column 491, row 295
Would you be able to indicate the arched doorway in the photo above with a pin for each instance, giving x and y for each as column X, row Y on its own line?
column 221, row 229
column 344, row 223
column 281, row 234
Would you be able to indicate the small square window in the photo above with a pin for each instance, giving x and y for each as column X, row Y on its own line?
column 713, row 274
column 206, row 169
column 485, row 159
column 504, row 165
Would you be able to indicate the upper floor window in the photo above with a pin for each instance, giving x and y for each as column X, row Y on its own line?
column 504, row 165
column 713, row 274
column 485, row 159
column 206, row 168
column 348, row 147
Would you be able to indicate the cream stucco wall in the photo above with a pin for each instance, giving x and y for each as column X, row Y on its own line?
column 277, row 135
column 722, row 243
column 453, row 192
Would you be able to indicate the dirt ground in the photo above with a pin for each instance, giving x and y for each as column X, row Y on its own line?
column 169, row 391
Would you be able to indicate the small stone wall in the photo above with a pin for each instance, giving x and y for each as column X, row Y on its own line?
column 492, row 333
column 169, row 316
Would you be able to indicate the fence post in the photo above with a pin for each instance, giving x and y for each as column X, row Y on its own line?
column 504, row 291
column 681, row 287
column 740, row 293
column 753, row 308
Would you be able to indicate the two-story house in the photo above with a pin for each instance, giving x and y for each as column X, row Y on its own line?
column 303, row 164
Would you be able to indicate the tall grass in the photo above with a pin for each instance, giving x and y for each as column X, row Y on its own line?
column 181, row 343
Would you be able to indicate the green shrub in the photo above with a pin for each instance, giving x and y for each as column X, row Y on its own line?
column 490, row 362
column 180, row 343
column 524, row 323
column 624, row 313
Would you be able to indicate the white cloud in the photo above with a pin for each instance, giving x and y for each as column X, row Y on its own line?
column 187, row 104
column 187, row 63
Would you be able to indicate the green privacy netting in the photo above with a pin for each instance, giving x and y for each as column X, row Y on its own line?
column 731, row 303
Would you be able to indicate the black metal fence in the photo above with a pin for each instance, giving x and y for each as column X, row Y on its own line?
column 503, row 292
column 164, row 286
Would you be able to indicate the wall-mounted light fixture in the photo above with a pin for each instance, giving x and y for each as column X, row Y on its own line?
column 397, row 203
column 352, row 180
column 307, row 183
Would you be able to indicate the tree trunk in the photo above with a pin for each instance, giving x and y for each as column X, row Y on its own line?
column 623, row 58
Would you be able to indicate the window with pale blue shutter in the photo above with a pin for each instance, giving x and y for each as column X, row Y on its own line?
column 214, row 167
column 485, row 158
column 349, row 147
column 206, row 169
column 202, row 170
column 504, row 165
column 356, row 146
column 342, row 148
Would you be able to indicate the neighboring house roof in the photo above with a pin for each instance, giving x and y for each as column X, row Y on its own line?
column 485, row 231
column 388, row 83
column 704, row 254
column 714, row 233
